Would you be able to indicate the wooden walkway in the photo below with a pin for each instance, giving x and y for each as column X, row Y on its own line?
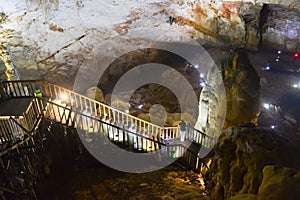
column 75, row 110
column 21, row 113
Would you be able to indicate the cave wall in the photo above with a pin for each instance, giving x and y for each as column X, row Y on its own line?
column 53, row 41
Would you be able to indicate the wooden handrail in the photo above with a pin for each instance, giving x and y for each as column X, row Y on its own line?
column 118, row 116
column 103, row 122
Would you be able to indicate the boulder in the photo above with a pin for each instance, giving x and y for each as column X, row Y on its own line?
column 279, row 183
column 120, row 105
column 240, row 156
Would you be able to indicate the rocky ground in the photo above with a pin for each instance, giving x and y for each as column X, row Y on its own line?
column 91, row 180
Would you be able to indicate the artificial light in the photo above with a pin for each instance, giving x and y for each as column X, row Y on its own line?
column 266, row 106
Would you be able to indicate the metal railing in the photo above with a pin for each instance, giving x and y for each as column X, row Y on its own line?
column 190, row 157
column 199, row 137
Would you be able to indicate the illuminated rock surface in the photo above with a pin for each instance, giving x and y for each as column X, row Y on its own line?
column 279, row 183
column 281, row 28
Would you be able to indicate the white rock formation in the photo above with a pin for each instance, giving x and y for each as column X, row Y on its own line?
column 212, row 105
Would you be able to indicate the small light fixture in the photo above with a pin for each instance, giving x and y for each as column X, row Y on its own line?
column 295, row 86
column 140, row 106
column 267, row 106
column 63, row 96
column 196, row 66
column 272, row 127
column 202, row 84
column 201, row 75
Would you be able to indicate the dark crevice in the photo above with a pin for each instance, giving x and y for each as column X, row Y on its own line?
column 263, row 18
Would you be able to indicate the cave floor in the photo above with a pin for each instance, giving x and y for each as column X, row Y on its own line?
column 92, row 180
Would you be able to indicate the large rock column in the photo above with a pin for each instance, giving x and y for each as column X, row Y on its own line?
column 241, row 103
column 212, row 104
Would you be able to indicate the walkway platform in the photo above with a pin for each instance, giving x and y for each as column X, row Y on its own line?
column 14, row 106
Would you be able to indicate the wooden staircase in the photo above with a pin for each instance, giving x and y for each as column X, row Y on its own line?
column 92, row 118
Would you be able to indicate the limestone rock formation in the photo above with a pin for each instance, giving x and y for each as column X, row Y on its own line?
column 232, row 92
column 212, row 104
column 226, row 23
column 120, row 105
column 170, row 119
column 240, row 156
column 242, row 90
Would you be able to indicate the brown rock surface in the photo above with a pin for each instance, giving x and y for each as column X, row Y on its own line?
column 242, row 90
column 279, row 183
